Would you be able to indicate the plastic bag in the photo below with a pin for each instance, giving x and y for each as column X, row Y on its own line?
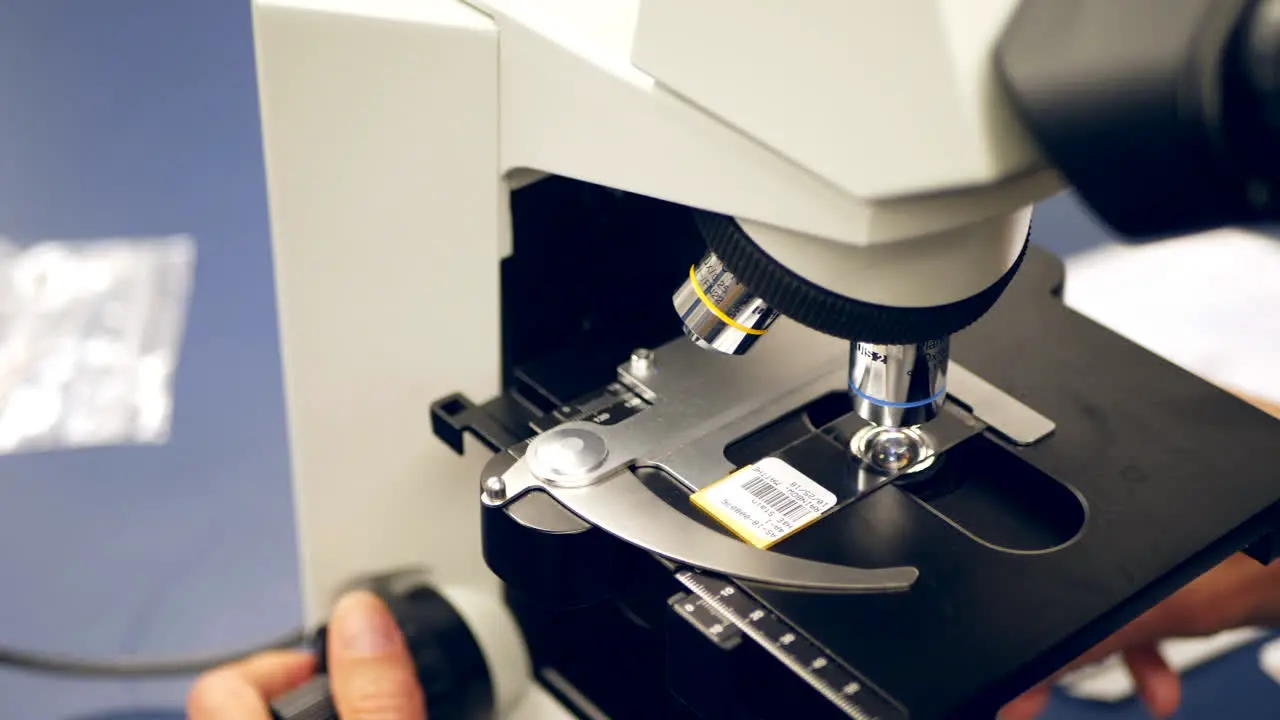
column 89, row 340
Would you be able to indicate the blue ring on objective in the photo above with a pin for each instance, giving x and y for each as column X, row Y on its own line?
column 897, row 405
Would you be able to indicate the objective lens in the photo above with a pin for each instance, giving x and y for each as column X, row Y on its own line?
column 718, row 312
column 898, row 385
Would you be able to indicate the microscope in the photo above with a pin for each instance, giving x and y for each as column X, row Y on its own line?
column 694, row 357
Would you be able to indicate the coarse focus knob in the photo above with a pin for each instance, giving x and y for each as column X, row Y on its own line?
column 450, row 664
column 311, row 701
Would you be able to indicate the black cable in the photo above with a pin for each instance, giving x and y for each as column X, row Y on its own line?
column 139, row 667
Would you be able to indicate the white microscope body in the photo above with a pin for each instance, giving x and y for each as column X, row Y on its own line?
column 865, row 145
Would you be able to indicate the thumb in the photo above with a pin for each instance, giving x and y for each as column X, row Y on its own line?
column 370, row 671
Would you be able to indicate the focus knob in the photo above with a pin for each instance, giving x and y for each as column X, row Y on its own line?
column 450, row 664
column 311, row 701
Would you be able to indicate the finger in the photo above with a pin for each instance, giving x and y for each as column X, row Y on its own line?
column 276, row 672
column 1195, row 610
column 240, row 691
column 372, row 675
column 1158, row 685
column 1027, row 706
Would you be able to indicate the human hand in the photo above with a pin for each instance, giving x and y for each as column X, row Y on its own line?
column 1237, row 593
column 370, row 672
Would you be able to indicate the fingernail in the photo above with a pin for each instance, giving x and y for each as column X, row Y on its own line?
column 363, row 626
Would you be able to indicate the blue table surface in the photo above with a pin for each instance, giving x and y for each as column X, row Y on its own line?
column 137, row 118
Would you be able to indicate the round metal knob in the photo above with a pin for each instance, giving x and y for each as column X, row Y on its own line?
column 563, row 455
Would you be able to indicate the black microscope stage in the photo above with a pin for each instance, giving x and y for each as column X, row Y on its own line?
column 1026, row 555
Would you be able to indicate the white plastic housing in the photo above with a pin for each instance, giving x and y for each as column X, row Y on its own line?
column 387, row 222
column 573, row 104
column 880, row 99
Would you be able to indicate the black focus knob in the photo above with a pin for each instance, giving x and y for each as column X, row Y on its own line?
column 311, row 701
column 450, row 664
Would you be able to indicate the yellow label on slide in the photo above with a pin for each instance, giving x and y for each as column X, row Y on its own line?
column 766, row 502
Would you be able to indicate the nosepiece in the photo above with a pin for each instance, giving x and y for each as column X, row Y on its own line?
column 899, row 385
column 719, row 312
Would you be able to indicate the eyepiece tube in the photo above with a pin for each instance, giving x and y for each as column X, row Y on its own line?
column 898, row 385
column 719, row 313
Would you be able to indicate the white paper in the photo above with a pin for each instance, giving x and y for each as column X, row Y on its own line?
column 1208, row 302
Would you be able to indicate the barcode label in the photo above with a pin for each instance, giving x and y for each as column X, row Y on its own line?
column 765, row 502
column 775, row 499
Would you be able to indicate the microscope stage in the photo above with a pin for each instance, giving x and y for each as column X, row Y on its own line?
column 937, row 594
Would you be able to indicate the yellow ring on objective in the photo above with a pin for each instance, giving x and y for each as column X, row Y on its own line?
column 693, row 280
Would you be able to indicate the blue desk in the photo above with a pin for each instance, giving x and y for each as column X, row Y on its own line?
column 139, row 117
